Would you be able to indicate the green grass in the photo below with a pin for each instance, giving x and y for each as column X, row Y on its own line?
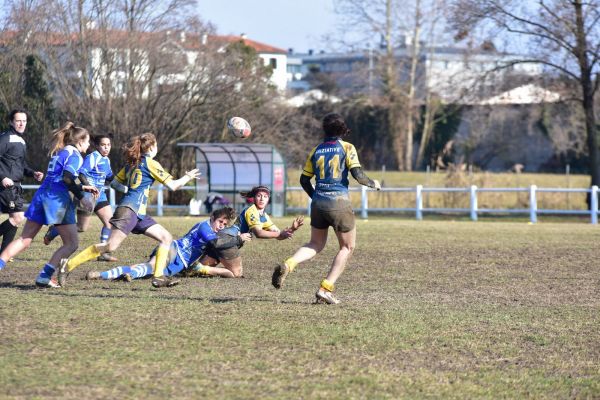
column 430, row 309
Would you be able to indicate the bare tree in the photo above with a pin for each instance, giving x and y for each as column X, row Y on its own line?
column 563, row 35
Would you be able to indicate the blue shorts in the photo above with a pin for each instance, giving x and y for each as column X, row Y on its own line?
column 51, row 207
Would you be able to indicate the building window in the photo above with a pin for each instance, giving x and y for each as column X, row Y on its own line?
column 273, row 63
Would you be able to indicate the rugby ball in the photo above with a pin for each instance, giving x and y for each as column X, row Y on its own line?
column 239, row 127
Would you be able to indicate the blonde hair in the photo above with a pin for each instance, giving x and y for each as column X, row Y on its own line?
column 137, row 146
column 68, row 134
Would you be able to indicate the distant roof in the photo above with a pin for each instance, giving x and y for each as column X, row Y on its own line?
column 119, row 38
column 527, row 94
column 258, row 46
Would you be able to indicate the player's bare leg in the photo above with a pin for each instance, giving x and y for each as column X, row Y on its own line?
column 230, row 269
column 318, row 239
column 347, row 241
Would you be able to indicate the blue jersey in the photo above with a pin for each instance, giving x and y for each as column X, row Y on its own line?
column 251, row 218
column 192, row 245
column 138, row 180
column 329, row 163
column 96, row 169
column 67, row 159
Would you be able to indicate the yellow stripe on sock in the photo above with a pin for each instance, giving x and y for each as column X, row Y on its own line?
column 325, row 284
column 162, row 254
column 86, row 255
column 291, row 263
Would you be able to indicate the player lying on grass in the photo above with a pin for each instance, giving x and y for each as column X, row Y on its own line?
column 253, row 219
column 184, row 252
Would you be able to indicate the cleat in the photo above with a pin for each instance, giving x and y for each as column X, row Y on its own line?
column 128, row 278
column 279, row 274
column 107, row 257
column 63, row 273
column 12, row 259
column 164, row 281
column 46, row 283
column 325, row 297
column 92, row 275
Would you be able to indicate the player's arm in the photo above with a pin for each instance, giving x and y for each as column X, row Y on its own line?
column 119, row 181
column 307, row 185
column 77, row 189
column 363, row 179
column 166, row 179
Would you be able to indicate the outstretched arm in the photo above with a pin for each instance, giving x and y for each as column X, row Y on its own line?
column 363, row 179
column 189, row 175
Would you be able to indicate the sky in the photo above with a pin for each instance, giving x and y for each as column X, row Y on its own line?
column 296, row 24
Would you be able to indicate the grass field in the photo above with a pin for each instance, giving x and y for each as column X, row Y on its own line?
column 431, row 309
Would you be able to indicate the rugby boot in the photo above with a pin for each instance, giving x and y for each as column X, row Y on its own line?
column 325, row 297
column 279, row 274
column 164, row 281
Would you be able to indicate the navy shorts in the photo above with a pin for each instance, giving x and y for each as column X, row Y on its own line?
column 127, row 221
column 11, row 199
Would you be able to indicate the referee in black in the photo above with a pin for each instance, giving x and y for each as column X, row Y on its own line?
column 13, row 168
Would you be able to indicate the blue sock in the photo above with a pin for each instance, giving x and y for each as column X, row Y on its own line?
column 52, row 232
column 47, row 271
column 115, row 273
column 104, row 234
column 141, row 270
column 2, row 264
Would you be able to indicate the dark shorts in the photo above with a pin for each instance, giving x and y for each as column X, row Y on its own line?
column 225, row 254
column 341, row 219
column 127, row 221
column 11, row 199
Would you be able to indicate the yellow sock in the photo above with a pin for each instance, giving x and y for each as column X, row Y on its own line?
column 162, row 253
column 291, row 263
column 325, row 284
column 84, row 256
column 204, row 269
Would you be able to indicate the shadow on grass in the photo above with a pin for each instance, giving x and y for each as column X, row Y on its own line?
column 9, row 285
column 133, row 295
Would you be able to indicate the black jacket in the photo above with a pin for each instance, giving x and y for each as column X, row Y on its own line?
column 12, row 156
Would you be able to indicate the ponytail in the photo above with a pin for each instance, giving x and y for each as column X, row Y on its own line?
column 138, row 146
column 68, row 134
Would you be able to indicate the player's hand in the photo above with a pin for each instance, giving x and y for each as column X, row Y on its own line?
column 377, row 185
column 287, row 233
column 7, row 182
column 38, row 176
column 298, row 222
column 193, row 174
column 91, row 189
column 246, row 237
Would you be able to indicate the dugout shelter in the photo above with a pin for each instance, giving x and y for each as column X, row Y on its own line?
column 229, row 168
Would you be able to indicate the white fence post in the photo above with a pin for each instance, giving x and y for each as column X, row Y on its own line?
column 594, row 204
column 419, row 212
column 308, row 204
column 473, row 203
column 532, row 204
column 364, row 203
column 112, row 198
column 159, row 200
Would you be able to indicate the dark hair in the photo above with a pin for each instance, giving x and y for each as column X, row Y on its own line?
column 11, row 115
column 334, row 125
column 96, row 139
column 255, row 190
column 226, row 212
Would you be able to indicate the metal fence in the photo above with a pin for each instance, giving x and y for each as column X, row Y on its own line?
column 473, row 211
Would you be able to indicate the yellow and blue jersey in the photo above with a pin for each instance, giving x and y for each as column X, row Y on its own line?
column 96, row 168
column 138, row 180
column 330, row 163
column 250, row 218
